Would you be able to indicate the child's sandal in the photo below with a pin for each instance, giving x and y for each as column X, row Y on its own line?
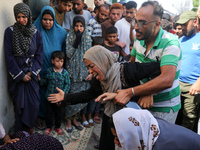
column 59, row 131
column 47, row 131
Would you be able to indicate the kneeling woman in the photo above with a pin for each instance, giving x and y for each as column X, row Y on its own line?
column 139, row 129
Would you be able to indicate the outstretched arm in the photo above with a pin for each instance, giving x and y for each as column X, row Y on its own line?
column 56, row 98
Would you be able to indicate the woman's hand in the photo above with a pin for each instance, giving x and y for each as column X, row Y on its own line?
column 26, row 78
column 146, row 101
column 105, row 97
column 56, row 98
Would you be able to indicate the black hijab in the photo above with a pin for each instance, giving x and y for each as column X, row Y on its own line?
column 22, row 35
column 78, row 33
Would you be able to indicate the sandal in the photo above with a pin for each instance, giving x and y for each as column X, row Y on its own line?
column 69, row 130
column 78, row 127
column 40, row 124
column 47, row 131
column 91, row 122
column 86, row 124
column 59, row 131
column 97, row 119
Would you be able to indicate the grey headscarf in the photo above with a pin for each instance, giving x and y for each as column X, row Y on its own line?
column 22, row 35
column 106, row 61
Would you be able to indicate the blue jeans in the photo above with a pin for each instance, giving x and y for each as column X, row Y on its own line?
column 89, row 109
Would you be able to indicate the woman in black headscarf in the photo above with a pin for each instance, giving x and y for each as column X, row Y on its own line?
column 77, row 43
column 23, row 53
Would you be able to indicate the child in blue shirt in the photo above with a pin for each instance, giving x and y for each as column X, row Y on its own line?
column 55, row 76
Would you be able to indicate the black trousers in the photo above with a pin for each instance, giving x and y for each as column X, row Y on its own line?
column 51, row 109
column 107, row 138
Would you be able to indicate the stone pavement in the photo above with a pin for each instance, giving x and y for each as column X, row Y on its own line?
column 94, row 139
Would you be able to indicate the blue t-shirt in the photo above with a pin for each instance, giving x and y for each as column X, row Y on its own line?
column 190, row 65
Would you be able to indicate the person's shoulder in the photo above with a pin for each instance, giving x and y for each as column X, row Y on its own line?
column 9, row 29
column 65, row 71
column 105, row 22
column 120, row 21
column 70, row 14
column 169, row 36
column 92, row 21
column 86, row 12
column 117, row 46
column 49, row 69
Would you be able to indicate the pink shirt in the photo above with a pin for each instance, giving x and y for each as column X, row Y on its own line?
column 2, row 132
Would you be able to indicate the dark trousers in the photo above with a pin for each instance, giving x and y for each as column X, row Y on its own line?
column 51, row 109
column 107, row 138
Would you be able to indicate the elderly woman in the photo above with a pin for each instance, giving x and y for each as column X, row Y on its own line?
column 139, row 129
column 53, row 36
column 108, row 76
column 23, row 54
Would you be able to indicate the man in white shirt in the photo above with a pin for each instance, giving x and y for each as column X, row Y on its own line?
column 124, row 26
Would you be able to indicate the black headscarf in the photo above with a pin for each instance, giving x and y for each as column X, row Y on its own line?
column 22, row 35
column 78, row 33
column 47, row 11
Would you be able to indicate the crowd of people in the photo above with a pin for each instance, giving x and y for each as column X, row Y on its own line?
column 73, row 60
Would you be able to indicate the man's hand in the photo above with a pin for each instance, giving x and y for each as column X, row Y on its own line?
column 56, row 98
column 89, row 77
column 146, row 101
column 105, row 97
column 121, row 44
column 123, row 96
column 195, row 88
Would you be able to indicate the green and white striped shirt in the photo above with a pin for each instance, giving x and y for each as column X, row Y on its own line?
column 167, row 51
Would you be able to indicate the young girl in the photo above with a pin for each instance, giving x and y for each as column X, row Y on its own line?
column 77, row 43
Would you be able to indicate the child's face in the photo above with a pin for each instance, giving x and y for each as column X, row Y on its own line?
column 65, row 6
column 79, row 26
column 58, row 63
column 116, row 140
column 112, row 38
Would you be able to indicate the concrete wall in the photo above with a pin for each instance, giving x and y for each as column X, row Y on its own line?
column 6, row 106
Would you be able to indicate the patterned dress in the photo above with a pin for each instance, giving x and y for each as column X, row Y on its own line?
column 76, row 67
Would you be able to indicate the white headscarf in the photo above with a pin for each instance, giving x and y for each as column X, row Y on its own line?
column 136, row 129
column 106, row 61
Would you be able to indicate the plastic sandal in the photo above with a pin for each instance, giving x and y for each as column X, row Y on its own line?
column 69, row 130
column 91, row 122
column 86, row 124
column 59, row 131
column 47, row 131
column 78, row 127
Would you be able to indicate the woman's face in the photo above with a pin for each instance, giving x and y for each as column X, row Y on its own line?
column 22, row 19
column 79, row 26
column 47, row 21
column 94, row 70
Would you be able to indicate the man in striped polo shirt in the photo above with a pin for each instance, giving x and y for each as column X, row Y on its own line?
column 155, row 44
